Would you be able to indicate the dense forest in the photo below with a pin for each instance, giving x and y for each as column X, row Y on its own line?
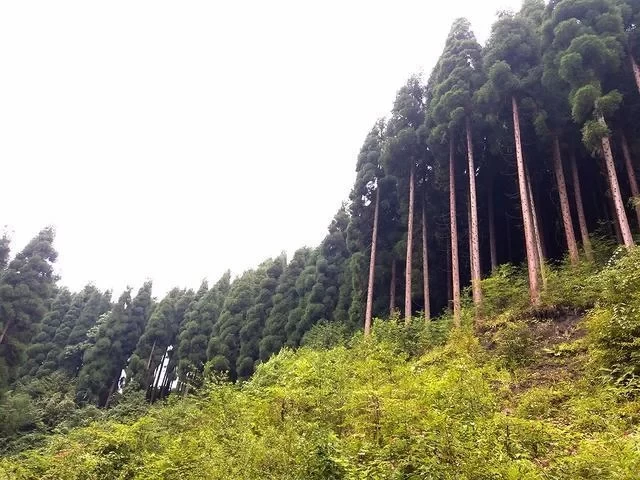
column 502, row 184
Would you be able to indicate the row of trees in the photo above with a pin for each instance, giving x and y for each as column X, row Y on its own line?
column 466, row 173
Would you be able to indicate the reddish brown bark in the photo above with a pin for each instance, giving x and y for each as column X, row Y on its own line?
column 582, row 222
column 631, row 175
column 407, row 273
column 455, row 271
column 569, row 234
column 614, row 187
column 532, row 261
column 425, row 264
column 372, row 268
column 473, row 228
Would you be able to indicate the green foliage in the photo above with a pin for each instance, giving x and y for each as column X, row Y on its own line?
column 514, row 345
column 614, row 325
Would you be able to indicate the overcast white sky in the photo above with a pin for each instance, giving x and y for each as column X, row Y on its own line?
column 174, row 140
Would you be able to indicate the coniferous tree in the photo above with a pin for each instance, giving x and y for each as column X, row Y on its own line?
column 403, row 152
column 43, row 342
column 115, row 341
column 512, row 60
column 77, row 331
column 26, row 287
column 365, row 197
column 456, row 77
column 159, row 335
column 197, row 328
column 588, row 46
column 286, row 299
column 252, row 330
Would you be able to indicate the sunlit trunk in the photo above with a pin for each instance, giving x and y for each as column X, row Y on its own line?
column 425, row 263
column 564, row 202
column 582, row 222
column 455, row 267
column 532, row 260
column 614, row 187
column 372, row 267
column 407, row 273
column 473, row 227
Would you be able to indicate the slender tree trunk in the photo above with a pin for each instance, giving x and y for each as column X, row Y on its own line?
column 425, row 264
column 372, row 267
column 157, row 377
column 564, row 203
column 469, row 242
column 492, row 230
column 537, row 228
column 392, row 288
column 582, row 222
column 631, row 174
column 455, row 272
column 449, row 282
column 153, row 347
column 112, row 389
column 614, row 186
column 532, row 263
column 5, row 330
column 473, row 205
column 407, row 273
column 636, row 71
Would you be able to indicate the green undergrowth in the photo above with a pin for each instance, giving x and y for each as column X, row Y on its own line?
column 527, row 393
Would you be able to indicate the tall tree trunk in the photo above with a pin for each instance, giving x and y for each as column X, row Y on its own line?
column 631, row 175
column 473, row 204
column 582, row 222
column 5, row 330
column 455, row 267
column 372, row 267
column 392, row 288
column 492, row 230
column 537, row 228
column 153, row 347
column 425, row 263
column 157, row 377
column 449, row 282
column 564, row 202
column 407, row 273
column 532, row 261
column 614, row 186
column 636, row 71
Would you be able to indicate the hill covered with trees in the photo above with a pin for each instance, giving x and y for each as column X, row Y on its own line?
column 491, row 221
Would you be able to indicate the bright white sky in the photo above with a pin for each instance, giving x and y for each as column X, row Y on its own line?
column 174, row 140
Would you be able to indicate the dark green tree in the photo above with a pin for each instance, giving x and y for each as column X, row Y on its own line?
column 26, row 287
column 512, row 60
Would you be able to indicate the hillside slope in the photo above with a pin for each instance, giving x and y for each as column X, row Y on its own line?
column 527, row 394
